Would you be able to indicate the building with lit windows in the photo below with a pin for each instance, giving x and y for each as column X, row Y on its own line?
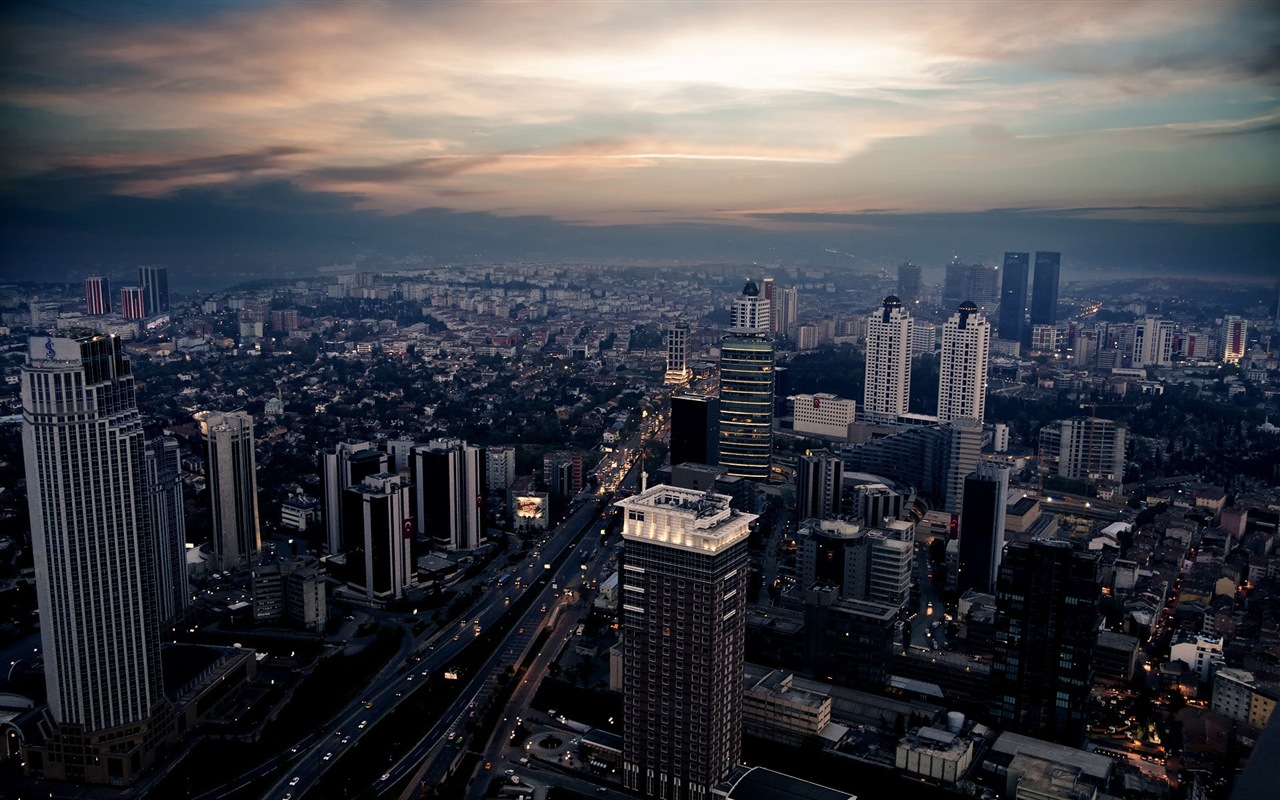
column 1233, row 341
column 746, row 389
column 684, row 583
column 962, row 377
column 888, row 372
column 95, row 564
column 678, row 371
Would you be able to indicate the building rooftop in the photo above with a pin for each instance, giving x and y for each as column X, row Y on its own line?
column 765, row 784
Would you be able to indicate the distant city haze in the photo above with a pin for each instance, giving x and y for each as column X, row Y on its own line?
column 270, row 139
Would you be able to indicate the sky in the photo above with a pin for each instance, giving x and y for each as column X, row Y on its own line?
column 276, row 137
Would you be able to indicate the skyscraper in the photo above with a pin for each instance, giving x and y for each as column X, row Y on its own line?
column 97, row 296
column 819, row 481
column 448, row 493
column 1013, row 297
column 499, row 467
column 132, row 303
column 678, row 371
column 1233, row 339
column 887, row 389
column 746, row 389
column 683, row 585
column 750, row 313
column 94, row 561
column 982, row 519
column 974, row 282
column 910, row 283
column 962, row 378
column 788, row 310
column 231, row 469
column 341, row 467
column 1044, row 289
column 168, row 528
column 1046, row 620
column 154, row 282
column 694, row 431
column 379, row 528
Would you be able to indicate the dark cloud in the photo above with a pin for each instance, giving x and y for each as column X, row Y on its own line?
column 274, row 228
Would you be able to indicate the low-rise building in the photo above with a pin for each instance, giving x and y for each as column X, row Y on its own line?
column 773, row 709
column 935, row 753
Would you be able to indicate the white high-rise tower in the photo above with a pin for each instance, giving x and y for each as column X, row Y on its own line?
column 678, row 371
column 962, row 378
column 94, row 561
column 888, row 378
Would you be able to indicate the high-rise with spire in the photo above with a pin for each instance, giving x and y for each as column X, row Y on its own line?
column 887, row 389
column 962, row 376
column 746, row 388
column 95, row 563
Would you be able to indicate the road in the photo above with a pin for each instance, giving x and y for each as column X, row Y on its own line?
column 437, row 755
column 499, row 751
column 420, row 656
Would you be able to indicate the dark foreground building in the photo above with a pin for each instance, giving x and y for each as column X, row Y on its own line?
column 1046, row 616
column 684, row 581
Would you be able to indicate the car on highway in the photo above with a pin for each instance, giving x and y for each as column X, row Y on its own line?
column 385, row 776
column 362, row 724
column 294, row 780
column 327, row 756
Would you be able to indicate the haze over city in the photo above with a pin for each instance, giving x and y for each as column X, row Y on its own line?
column 279, row 137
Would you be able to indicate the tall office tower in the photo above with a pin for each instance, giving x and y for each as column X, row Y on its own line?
column 910, row 283
column 155, row 288
column 132, row 303
column 97, row 296
column 341, row 467
column 750, row 313
column 1153, row 343
column 788, row 311
column 962, row 376
column 1233, row 340
column 887, row 390
column 1044, row 289
column 678, row 371
column 684, row 602
column 379, row 524
column 448, row 493
column 767, row 289
column 95, row 572
column 1013, row 297
column 973, row 282
column 231, row 469
column 746, row 406
column 1084, row 448
column 168, row 528
column 982, row 515
column 694, row 431
column 819, row 481
column 1046, row 620
column 499, row 467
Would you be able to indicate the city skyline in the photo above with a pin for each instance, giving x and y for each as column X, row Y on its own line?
column 1134, row 135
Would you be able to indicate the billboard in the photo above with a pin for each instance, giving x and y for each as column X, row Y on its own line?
column 531, row 510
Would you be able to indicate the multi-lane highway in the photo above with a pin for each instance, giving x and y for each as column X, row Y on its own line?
column 421, row 656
